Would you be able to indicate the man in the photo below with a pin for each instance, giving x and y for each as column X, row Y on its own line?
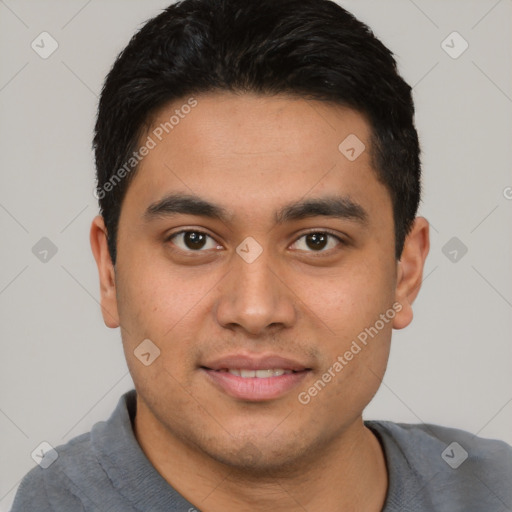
column 259, row 178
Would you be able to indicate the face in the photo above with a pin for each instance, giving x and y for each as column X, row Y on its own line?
column 290, row 267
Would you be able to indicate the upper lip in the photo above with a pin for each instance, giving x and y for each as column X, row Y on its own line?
column 254, row 362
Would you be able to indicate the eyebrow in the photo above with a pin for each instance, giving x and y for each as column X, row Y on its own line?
column 336, row 206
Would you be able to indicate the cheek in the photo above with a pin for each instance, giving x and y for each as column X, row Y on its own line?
column 157, row 300
column 351, row 375
column 354, row 338
column 161, row 306
column 349, row 298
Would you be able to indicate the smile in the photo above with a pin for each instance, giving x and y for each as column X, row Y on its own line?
column 259, row 374
column 255, row 385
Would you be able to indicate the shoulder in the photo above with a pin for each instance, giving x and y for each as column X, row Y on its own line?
column 74, row 476
column 460, row 445
column 457, row 467
column 53, row 483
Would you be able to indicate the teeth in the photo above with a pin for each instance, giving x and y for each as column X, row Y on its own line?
column 260, row 374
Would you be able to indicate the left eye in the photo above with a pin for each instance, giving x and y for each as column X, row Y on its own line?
column 318, row 241
column 193, row 240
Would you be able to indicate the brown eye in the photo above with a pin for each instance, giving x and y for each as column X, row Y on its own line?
column 317, row 241
column 193, row 241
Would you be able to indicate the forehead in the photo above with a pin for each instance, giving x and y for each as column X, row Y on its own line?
column 247, row 153
column 257, row 125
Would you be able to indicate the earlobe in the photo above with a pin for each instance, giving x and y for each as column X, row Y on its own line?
column 99, row 246
column 410, row 270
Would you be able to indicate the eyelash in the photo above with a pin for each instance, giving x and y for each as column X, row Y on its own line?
column 341, row 241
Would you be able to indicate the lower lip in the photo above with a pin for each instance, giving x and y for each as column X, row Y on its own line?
column 254, row 388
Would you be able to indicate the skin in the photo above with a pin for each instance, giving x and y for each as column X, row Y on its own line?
column 252, row 155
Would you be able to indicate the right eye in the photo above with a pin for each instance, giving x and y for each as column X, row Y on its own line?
column 193, row 241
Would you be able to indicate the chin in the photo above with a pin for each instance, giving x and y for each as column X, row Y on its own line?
column 258, row 457
column 251, row 462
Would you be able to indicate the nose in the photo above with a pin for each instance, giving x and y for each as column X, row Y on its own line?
column 255, row 297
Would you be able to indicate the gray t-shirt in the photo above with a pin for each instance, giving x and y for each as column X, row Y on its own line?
column 431, row 468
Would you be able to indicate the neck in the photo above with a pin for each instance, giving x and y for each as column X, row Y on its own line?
column 345, row 473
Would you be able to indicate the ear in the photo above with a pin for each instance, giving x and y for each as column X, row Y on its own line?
column 106, row 271
column 410, row 270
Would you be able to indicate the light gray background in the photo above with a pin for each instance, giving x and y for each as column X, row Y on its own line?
column 61, row 369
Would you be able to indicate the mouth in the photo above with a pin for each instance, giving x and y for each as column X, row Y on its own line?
column 258, row 374
column 255, row 379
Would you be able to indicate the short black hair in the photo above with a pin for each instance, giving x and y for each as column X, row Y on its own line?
column 309, row 48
